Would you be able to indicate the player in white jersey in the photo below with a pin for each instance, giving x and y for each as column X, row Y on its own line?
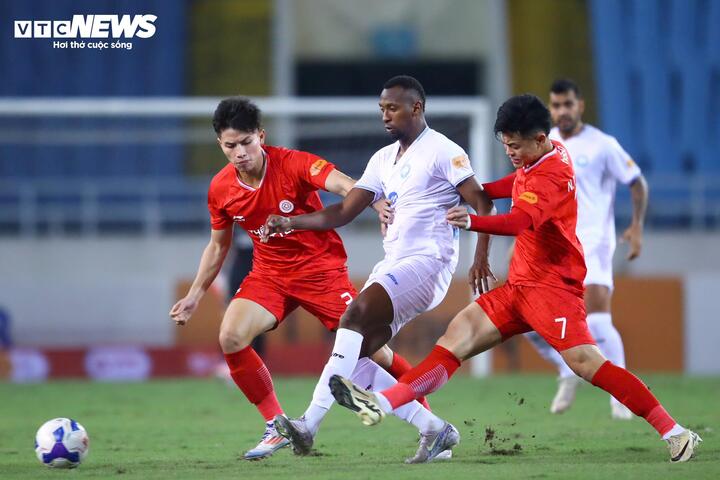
column 422, row 174
column 600, row 163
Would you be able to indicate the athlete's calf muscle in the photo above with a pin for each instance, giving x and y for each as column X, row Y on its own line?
column 471, row 332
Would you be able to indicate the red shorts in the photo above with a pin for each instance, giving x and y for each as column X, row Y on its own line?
column 556, row 314
column 325, row 294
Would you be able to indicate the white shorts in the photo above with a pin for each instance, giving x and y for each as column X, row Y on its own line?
column 598, row 260
column 415, row 285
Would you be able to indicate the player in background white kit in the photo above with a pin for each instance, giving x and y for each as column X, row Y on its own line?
column 600, row 163
column 422, row 174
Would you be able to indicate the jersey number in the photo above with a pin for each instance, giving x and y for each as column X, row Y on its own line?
column 564, row 323
column 347, row 297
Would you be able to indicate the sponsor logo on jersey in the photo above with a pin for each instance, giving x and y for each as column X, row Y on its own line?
column 238, row 218
column 392, row 197
column 286, row 206
column 571, row 187
column 317, row 167
column 629, row 163
column 392, row 277
column 259, row 231
column 337, row 355
column 529, row 197
column 461, row 161
column 405, row 171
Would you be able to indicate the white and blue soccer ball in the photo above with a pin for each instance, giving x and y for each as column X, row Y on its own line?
column 61, row 443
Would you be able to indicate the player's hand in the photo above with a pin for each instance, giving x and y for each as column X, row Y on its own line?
column 480, row 277
column 386, row 214
column 183, row 310
column 458, row 217
column 274, row 224
column 633, row 237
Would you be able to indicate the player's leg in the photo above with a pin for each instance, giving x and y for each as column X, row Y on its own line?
column 589, row 363
column 396, row 365
column 567, row 380
column 243, row 321
column 597, row 302
column 395, row 293
column 468, row 334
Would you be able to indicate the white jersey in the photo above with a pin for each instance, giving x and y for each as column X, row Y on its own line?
column 599, row 162
column 421, row 186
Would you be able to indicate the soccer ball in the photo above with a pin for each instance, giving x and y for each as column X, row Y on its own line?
column 61, row 443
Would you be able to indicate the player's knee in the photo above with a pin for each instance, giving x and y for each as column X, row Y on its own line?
column 355, row 316
column 581, row 364
column 233, row 340
column 383, row 357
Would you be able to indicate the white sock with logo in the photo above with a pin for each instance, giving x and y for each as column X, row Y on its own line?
column 343, row 361
column 371, row 376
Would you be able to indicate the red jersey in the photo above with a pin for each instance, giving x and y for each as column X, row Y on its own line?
column 548, row 253
column 289, row 187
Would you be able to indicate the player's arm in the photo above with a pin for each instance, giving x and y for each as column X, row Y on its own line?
column 509, row 224
column 480, row 273
column 328, row 218
column 500, row 188
column 210, row 263
column 340, row 184
column 634, row 233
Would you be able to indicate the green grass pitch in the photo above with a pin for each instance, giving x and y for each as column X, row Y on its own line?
column 182, row 429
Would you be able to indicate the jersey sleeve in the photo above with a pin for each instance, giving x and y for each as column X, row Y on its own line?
column 619, row 163
column 370, row 179
column 540, row 198
column 219, row 219
column 312, row 170
column 453, row 165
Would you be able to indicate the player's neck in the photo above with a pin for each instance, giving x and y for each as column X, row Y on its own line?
column 578, row 128
column 253, row 178
column 405, row 142
column 546, row 148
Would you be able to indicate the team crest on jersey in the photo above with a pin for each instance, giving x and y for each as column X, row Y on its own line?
column 317, row 167
column 581, row 161
column 529, row 197
column 286, row 206
column 629, row 163
column 405, row 171
column 461, row 161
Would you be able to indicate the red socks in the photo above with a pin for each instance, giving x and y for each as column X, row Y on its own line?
column 253, row 378
column 631, row 392
column 400, row 367
column 431, row 374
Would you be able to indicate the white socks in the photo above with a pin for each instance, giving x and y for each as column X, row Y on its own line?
column 608, row 339
column 343, row 360
column 367, row 374
column 370, row 376
column 676, row 430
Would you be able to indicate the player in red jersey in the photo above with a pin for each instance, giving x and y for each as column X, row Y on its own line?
column 544, row 291
column 302, row 268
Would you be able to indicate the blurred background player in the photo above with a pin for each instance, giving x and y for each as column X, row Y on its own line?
column 600, row 163
column 544, row 291
column 422, row 173
column 300, row 268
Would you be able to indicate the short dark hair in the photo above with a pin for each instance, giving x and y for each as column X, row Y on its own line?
column 407, row 82
column 565, row 85
column 238, row 113
column 524, row 114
